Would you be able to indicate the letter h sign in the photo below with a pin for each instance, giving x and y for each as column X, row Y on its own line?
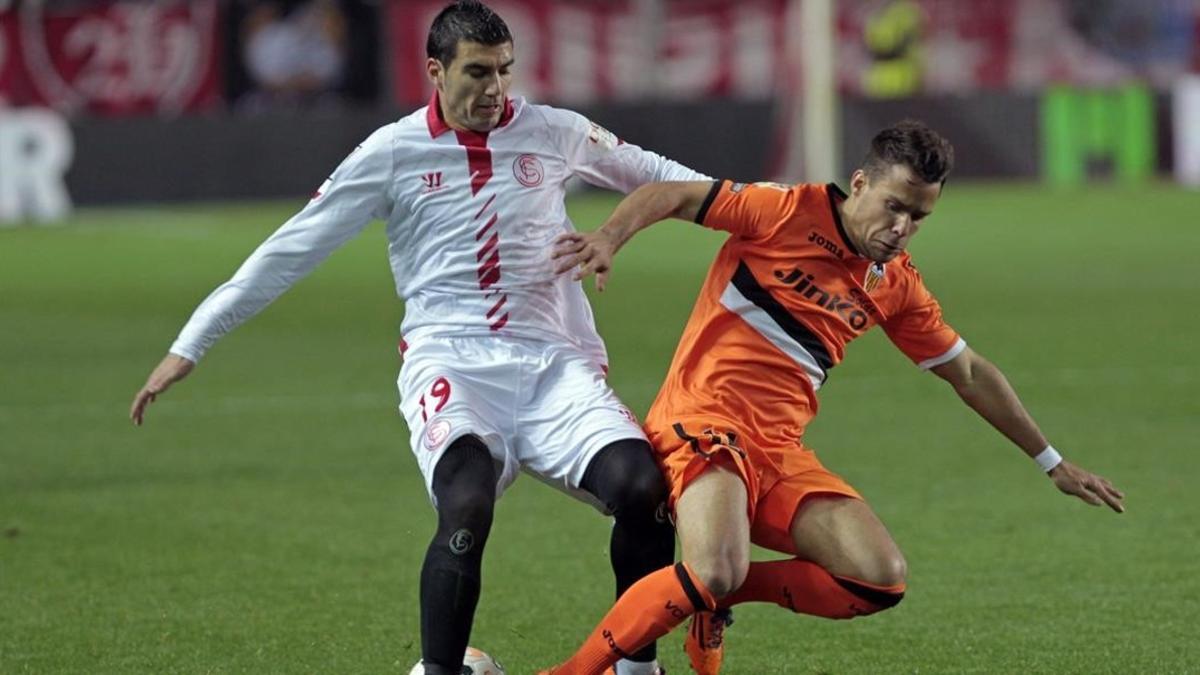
column 1085, row 132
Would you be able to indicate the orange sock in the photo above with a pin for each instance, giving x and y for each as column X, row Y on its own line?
column 805, row 587
column 644, row 613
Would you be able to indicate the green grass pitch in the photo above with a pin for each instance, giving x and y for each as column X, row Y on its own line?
column 269, row 517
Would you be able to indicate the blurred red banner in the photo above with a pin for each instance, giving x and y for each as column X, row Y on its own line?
column 578, row 51
column 113, row 58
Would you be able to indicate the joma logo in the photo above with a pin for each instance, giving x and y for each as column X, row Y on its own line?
column 826, row 244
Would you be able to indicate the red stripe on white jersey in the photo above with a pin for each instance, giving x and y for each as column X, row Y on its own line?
column 484, row 208
column 496, row 308
column 479, row 161
column 479, row 158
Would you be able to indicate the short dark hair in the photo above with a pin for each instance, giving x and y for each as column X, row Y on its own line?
column 469, row 20
column 912, row 144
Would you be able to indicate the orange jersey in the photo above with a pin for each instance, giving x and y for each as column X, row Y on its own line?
column 784, row 296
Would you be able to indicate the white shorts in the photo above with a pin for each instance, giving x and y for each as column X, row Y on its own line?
column 539, row 407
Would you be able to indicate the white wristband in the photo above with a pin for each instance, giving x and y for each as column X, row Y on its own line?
column 1048, row 459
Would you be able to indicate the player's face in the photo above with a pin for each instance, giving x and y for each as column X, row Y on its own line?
column 474, row 86
column 885, row 211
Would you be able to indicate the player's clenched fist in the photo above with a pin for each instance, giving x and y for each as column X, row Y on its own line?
column 169, row 371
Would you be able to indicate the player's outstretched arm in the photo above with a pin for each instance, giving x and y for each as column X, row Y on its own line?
column 169, row 371
column 984, row 388
column 592, row 252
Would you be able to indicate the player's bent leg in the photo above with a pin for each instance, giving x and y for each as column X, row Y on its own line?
column 714, row 528
column 847, row 565
column 845, row 537
column 715, row 532
column 464, row 488
column 624, row 477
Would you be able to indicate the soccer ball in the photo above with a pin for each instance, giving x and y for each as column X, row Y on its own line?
column 477, row 662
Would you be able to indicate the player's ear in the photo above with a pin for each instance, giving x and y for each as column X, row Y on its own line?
column 436, row 73
column 858, row 181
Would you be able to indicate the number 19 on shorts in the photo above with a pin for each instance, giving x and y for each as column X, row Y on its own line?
column 437, row 396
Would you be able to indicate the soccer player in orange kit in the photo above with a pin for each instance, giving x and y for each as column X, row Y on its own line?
column 807, row 269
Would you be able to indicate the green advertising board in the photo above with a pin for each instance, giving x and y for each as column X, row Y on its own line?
column 1090, row 132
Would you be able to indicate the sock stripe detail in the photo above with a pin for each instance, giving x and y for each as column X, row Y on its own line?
column 877, row 596
column 689, row 589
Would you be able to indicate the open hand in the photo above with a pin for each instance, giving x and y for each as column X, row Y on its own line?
column 1093, row 489
column 169, row 371
column 591, row 252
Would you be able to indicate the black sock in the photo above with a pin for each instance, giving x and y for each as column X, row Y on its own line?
column 625, row 478
column 464, row 486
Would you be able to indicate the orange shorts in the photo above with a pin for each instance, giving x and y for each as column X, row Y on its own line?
column 777, row 480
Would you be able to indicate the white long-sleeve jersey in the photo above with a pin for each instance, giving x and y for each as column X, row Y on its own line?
column 471, row 222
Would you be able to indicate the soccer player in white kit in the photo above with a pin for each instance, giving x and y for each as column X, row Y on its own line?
column 503, row 368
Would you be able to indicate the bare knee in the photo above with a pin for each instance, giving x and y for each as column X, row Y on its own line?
column 721, row 574
column 714, row 530
column 878, row 584
column 885, row 569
